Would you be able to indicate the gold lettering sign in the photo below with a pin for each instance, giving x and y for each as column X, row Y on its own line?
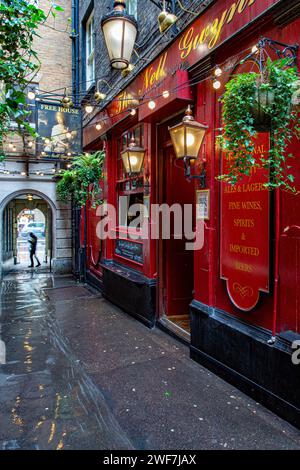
column 211, row 33
column 154, row 75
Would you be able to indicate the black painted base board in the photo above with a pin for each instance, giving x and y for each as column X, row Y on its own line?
column 239, row 353
column 130, row 291
column 95, row 281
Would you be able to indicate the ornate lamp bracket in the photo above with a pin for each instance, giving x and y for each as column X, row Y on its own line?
column 282, row 50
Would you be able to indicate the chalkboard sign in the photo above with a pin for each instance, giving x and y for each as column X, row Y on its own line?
column 129, row 250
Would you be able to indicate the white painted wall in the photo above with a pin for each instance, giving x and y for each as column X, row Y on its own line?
column 13, row 186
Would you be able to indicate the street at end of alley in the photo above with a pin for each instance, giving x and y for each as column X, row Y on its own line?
column 78, row 373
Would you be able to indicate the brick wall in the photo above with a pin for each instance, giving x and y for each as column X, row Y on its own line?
column 148, row 45
column 147, row 18
column 54, row 48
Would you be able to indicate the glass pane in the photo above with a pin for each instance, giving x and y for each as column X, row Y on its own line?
column 137, row 135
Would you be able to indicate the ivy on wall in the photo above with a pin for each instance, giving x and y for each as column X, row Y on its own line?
column 255, row 102
column 82, row 182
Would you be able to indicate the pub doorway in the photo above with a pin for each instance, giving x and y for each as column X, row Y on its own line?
column 175, row 262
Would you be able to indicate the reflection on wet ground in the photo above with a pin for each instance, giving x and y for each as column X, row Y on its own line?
column 78, row 373
column 47, row 401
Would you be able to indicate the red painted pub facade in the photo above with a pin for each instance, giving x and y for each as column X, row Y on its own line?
column 242, row 289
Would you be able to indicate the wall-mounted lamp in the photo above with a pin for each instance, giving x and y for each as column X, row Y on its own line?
column 133, row 157
column 100, row 95
column 128, row 70
column 187, row 138
column 66, row 100
column 165, row 19
column 120, row 31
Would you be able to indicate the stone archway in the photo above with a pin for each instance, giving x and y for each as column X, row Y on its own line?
column 43, row 197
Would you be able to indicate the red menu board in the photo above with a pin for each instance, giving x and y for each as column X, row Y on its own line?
column 245, row 232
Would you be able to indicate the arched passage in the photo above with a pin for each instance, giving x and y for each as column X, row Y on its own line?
column 39, row 217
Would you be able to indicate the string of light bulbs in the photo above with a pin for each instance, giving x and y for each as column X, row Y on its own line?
column 151, row 101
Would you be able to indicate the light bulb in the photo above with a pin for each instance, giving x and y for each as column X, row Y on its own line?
column 151, row 104
column 217, row 84
column 69, row 165
column 166, row 94
column 69, row 154
column 89, row 109
column 218, row 72
column 133, row 112
column 31, row 95
column 133, row 160
column 190, row 140
column 23, row 173
column 98, row 126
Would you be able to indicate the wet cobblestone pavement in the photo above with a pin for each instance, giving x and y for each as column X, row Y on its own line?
column 78, row 373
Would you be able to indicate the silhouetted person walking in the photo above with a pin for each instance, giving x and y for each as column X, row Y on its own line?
column 32, row 250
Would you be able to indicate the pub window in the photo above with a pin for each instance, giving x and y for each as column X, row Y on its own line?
column 130, row 188
column 90, row 51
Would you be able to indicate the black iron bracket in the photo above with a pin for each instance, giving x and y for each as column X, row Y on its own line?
column 159, row 3
column 282, row 50
column 187, row 173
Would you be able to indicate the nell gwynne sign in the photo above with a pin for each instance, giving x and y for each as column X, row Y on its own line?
column 212, row 28
column 245, row 233
column 59, row 131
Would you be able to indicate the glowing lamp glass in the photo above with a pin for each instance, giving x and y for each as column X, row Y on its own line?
column 89, row 108
column 187, row 137
column 216, row 84
column 151, row 104
column 133, row 158
column 120, row 31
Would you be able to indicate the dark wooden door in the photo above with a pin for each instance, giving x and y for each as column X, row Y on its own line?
column 179, row 267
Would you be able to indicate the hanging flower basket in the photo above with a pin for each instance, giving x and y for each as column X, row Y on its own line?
column 256, row 102
column 263, row 104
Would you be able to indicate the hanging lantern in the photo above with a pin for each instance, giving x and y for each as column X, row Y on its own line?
column 133, row 157
column 187, row 136
column 120, row 31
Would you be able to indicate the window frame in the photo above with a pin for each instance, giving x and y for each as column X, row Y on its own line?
column 90, row 69
column 132, row 8
column 126, row 185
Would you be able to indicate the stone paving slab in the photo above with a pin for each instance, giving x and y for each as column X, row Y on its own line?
column 82, row 374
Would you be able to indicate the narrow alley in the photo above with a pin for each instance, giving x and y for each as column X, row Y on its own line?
column 78, row 373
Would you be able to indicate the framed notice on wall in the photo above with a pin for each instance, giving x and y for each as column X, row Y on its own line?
column 202, row 204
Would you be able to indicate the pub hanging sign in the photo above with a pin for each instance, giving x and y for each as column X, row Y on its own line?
column 245, row 232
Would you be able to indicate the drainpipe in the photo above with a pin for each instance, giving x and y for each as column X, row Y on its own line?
column 75, row 50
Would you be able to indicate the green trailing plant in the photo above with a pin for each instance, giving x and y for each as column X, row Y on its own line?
column 271, row 93
column 19, row 62
column 82, row 181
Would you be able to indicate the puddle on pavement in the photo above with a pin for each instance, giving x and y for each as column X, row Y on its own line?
column 47, row 401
